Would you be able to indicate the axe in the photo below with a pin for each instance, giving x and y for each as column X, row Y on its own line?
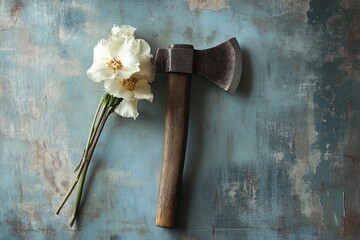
column 222, row 65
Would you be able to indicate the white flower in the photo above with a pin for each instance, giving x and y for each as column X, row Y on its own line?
column 113, row 59
column 123, row 63
column 128, row 108
column 124, row 31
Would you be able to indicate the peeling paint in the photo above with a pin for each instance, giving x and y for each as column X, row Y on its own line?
column 295, row 7
column 52, row 167
column 240, row 191
column 122, row 178
column 235, row 186
column 307, row 157
column 336, row 220
column 278, row 156
column 342, row 49
column 215, row 5
column 9, row 15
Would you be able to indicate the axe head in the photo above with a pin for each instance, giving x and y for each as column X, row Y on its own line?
column 221, row 64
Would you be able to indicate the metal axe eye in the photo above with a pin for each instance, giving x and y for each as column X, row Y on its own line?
column 177, row 58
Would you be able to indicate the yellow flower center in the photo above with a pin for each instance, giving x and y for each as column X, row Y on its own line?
column 129, row 83
column 114, row 64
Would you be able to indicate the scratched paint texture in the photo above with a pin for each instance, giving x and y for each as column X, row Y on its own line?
column 278, row 160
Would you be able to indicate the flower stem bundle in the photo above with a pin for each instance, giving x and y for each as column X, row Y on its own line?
column 106, row 106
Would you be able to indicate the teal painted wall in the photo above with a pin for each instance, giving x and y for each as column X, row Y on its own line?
column 278, row 160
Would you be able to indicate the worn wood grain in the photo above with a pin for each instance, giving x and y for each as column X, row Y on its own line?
column 176, row 128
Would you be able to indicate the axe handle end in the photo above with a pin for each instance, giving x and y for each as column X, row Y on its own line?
column 176, row 127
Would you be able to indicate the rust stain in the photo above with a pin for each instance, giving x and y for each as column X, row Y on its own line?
column 41, row 150
column 24, row 220
column 355, row 160
column 350, row 103
column 15, row 10
column 230, row 147
column 142, row 231
column 138, row 226
column 351, row 225
column 189, row 33
column 353, row 36
column 352, row 151
column 65, row 183
column 210, row 39
column 9, row 22
column 94, row 213
column 215, row 5
column 323, row 187
column 18, row 226
column 338, row 26
column 34, row 213
column 218, row 202
column 52, row 166
column 187, row 238
column 281, row 224
column 351, row 209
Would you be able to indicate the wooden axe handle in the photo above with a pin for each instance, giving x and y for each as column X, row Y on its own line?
column 176, row 127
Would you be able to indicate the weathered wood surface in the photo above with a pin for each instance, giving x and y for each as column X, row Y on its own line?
column 278, row 160
column 175, row 138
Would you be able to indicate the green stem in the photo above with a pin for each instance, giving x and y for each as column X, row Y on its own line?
column 83, row 159
column 78, row 198
column 91, row 151
column 105, row 107
column 92, row 130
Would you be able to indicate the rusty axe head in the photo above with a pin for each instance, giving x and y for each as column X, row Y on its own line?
column 222, row 65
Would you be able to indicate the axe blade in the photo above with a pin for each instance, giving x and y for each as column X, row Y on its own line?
column 221, row 64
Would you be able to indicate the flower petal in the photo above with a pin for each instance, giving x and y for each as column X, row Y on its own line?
column 128, row 108
column 116, row 89
column 147, row 69
column 143, row 91
column 101, row 50
column 120, row 49
column 140, row 47
column 118, row 46
column 124, row 31
column 99, row 71
column 130, row 66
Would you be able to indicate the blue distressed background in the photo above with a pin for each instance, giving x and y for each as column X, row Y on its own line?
column 278, row 160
